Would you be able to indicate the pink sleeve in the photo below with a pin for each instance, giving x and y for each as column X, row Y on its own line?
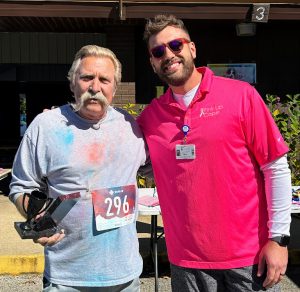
column 262, row 134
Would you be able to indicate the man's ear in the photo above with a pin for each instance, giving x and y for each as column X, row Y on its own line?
column 115, row 89
column 193, row 49
column 152, row 65
column 72, row 87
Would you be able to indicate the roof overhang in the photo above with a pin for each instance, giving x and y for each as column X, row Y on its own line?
column 38, row 15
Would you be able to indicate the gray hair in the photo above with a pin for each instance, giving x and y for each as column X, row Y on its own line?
column 96, row 51
column 160, row 22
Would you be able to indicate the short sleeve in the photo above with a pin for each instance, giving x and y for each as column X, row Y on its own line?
column 262, row 135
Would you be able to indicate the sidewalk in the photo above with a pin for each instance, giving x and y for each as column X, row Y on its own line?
column 16, row 255
column 19, row 256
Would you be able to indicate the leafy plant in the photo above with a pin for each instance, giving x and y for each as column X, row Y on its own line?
column 23, row 104
column 286, row 113
column 145, row 182
column 133, row 108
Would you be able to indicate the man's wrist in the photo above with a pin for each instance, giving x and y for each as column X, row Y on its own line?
column 282, row 240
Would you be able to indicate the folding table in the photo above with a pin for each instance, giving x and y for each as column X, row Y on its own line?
column 4, row 172
column 156, row 232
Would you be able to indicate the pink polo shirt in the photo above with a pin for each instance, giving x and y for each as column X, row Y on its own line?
column 214, row 207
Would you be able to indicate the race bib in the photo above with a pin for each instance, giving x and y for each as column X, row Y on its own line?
column 114, row 207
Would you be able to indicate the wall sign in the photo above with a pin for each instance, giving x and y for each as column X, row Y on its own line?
column 241, row 71
column 260, row 12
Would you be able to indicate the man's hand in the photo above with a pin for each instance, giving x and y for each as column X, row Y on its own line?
column 276, row 258
column 49, row 241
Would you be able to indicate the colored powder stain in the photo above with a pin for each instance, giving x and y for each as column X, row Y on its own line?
column 90, row 173
column 95, row 152
column 65, row 137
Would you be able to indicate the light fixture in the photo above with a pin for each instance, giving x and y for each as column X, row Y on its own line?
column 245, row 29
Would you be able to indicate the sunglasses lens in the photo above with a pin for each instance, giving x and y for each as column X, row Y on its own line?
column 176, row 45
column 158, row 51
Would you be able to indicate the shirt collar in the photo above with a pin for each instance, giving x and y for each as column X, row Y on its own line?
column 205, row 85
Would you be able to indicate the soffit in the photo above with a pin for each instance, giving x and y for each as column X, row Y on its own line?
column 91, row 16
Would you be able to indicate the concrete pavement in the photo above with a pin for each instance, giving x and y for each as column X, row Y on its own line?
column 16, row 255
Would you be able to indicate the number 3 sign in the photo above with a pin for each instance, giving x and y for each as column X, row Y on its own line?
column 260, row 12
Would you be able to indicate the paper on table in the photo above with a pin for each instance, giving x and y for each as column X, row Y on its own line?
column 149, row 201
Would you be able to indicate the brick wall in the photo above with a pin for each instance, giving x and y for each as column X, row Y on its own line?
column 125, row 93
column 125, row 99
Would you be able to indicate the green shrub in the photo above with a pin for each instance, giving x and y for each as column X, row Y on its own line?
column 145, row 182
column 133, row 108
column 286, row 113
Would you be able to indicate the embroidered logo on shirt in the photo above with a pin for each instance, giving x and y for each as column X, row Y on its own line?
column 210, row 111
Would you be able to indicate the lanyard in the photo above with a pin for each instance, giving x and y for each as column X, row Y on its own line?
column 185, row 129
column 184, row 150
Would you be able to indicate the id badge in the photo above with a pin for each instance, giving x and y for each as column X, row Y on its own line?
column 185, row 151
column 114, row 207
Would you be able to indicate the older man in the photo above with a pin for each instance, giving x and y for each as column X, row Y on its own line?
column 91, row 148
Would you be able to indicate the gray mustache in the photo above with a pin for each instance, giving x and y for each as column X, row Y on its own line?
column 98, row 96
column 86, row 96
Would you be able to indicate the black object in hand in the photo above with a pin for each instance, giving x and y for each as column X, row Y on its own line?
column 46, row 225
column 38, row 202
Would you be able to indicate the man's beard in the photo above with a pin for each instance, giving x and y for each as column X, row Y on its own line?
column 171, row 78
column 86, row 96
